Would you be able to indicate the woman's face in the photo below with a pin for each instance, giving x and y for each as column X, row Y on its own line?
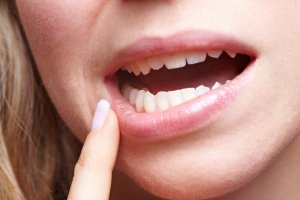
column 175, row 144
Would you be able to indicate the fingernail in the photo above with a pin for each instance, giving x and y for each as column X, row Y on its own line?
column 100, row 114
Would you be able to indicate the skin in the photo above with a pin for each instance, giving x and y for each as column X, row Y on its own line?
column 92, row 176
column 250, row 152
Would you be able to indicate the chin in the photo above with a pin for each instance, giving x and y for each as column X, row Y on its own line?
column 189, row 180
column 203, row 169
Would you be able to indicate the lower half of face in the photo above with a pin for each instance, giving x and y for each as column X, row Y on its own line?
column 206, row 93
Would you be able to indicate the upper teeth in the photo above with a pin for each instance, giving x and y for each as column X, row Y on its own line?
column 172, row 61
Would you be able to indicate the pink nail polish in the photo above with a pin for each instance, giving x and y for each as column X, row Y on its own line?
column 100, row 115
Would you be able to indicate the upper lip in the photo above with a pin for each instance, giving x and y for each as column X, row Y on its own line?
column 180, row 42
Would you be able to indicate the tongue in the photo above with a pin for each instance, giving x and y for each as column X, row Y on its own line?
column 192, row 76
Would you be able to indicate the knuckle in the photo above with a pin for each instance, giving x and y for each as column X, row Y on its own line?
column 85, row 163
column 82, row 161
column 77, row 169
column 82, row 164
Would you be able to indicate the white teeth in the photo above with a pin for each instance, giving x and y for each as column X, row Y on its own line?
column 216, row 85
column 214, row 54
column 231, row 54
column 175, row 61
column 172, row 62
column 132, row 96
column 188, row 94
column 144, row 101
column 143, row 66
column 162, row 101
column 202, row 90
column 129, row 69
column 174, row 97
column 139, row 102
column 149, row 102
column 126, row 91
column 195, row 57
column 136, row 69
column 155, row 63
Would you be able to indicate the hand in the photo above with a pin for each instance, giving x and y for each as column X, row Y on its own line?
column 93, row 171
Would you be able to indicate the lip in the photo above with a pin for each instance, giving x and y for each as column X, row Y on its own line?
column 189, row 116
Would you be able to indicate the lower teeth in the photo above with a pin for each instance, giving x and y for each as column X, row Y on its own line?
column 145, row 101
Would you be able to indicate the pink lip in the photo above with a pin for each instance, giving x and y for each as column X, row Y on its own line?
column 187, row 117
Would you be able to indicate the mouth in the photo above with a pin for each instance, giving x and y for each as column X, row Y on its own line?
column 162, row 82
column 167, row 87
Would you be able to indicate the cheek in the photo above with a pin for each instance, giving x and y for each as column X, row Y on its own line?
column 52, row 29
column 58, row 34
column 49, row 24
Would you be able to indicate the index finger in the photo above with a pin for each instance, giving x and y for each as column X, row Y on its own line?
column 93, row 171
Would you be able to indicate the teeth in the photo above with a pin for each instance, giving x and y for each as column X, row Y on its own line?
column 174, row 98
column 136, row 69
column 162, row 101
column 155, row 63
column 216, row 85
column 202, row 90
column 127, row 68
column 172, row 62
column 132, row 96
column 149, row 102
column 139, row 102
column 145, row 101
column 214, row 54
column 231, row 54
column 188, row 94
column 195, row 57
column 143, row 66
column 126, row 91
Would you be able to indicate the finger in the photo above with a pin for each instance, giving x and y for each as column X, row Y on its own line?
column 93, row 171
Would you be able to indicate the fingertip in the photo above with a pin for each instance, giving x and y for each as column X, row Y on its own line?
column 112, row 121
column 106, row 139
column 100, row 115
column 101, row 144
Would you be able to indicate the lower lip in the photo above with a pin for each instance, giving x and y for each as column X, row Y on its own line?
column 180, row 120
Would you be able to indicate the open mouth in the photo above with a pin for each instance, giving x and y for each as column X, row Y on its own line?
column 162, row 82
column 163, row 87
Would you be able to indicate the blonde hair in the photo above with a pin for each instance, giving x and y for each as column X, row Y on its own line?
column 37, row 152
